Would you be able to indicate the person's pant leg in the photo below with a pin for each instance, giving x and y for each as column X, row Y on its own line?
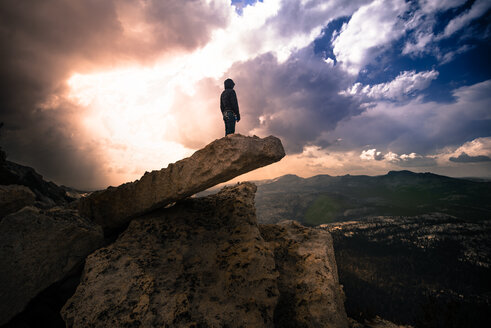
column 229, row 119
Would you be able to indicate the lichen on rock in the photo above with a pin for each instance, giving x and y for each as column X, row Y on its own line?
column 310, row 294
column 218, row 162
column 200, row 263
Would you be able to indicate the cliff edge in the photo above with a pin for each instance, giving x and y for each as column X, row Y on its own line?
column 205, row 262
column 218, row 162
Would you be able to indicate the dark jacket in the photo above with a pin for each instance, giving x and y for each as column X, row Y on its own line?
column 228, row 99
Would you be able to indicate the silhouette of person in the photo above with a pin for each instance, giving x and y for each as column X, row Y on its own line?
column 229, row 107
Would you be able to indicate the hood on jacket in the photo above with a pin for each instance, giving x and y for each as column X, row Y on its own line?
column 229, row 84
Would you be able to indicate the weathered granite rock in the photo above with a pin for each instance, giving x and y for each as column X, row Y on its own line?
column 38, row 248
column 45, row 191
column 310, row 294
column 200, row 263
column 218, row 162
column 14, row 198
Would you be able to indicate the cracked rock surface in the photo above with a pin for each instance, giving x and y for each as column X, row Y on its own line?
column 310, row 294
column 200, row 263
column 218, row 162
column 39, row 248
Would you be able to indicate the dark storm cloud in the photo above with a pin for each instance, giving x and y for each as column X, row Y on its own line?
column 464, row 158
column 421, row 161
column 296, row 100
column 44, row 42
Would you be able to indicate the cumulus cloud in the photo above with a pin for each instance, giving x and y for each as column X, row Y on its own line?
column 424, row 21
column 153, row 70
column 295, row 100
column 404, row 160
column 315, row 160
column 371, row 154
column 419, row 42
column 44, row 42
column 405, row 84
column 475, row 151
column 370, row 30
column 478, row 8
column 418, row 126
column 431, row 6
column 415, row 160
column 464, row 158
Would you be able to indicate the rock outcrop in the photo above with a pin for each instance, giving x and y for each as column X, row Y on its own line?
column 14, row 198
column 218, row 162
column 38, row 248
column 204, row 263
column 310, row 294
column 200, row 263
column 46, row 192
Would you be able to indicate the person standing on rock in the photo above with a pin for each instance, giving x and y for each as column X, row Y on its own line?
column 229, row 107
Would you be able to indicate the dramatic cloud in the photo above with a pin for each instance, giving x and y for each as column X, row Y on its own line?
column 371, row 28
column 418, row 126
column 425, row 35
column 371, row 154
column 95, row 93
column 404, row 160
column 478, row 8
column 405, row 84
column 464, row 158
column 44, row 42
column 295, row 100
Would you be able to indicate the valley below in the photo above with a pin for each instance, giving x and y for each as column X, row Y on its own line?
column 427, row 271
column 414, row 248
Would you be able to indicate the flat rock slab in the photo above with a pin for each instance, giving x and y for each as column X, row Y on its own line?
column 218, row 162
column 39, row 248
column 310, row 294
column 200, row 263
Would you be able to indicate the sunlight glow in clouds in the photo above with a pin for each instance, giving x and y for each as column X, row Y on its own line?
column 130, row 110
column 127, row 113
column 123, row 87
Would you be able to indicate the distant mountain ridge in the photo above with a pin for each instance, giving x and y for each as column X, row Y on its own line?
column 324, row 198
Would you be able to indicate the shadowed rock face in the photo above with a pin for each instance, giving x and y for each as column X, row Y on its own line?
column 206, row 263
column 201, row 263
column 13, row 198
column 218, row 162
column 310, row 294
column 38, row 248
column 47, row 192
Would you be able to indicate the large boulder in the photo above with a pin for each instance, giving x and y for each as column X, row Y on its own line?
column 218, row 162
column 14, row 198
column 310, row 294
column 39, row 248
column 200, row 263
column 46, row 191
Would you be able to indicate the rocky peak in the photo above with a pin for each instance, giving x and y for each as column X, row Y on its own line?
column 46, row 192
column 218, row 162
column 205, row 262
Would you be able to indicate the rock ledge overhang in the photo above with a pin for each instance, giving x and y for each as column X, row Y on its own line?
column 218, row 162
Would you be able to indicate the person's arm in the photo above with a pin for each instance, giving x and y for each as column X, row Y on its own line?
column 222, row 107
column 235, row 105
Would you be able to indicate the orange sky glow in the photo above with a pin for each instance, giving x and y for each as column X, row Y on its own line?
column 111, row 89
